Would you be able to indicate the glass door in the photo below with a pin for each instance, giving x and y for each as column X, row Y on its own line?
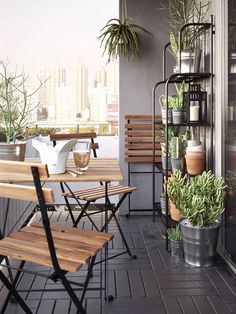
column 230, row 139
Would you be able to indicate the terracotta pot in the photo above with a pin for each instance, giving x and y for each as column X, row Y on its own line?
column 174, row 212
column 195, row 162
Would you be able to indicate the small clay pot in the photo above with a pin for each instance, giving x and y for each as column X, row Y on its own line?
column 174, row 212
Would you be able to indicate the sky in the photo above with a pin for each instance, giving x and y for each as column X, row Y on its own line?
column 39, row 33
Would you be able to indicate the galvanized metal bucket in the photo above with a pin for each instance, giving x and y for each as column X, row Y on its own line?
column 15, row 152
column 199, row 243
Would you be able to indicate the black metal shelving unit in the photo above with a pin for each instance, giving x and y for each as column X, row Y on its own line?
column 205, row 125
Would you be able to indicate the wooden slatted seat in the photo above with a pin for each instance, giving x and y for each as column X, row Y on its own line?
column 65, row 249
column 93, row 194
column 139, row 139
column 139, row 145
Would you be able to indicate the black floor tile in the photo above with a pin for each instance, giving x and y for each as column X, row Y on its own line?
column 153, row 283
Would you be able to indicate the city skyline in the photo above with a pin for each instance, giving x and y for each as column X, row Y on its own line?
column 79, row 94
column 57, row 41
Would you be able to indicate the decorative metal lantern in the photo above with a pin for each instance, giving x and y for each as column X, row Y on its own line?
column 196, row 103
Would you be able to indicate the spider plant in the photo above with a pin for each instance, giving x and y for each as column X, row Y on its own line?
column 121, row 38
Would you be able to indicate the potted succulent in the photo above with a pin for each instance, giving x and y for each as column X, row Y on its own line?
column 15, row 112
column 163, row 104
column 174, row 185
column 121, row 37
column 201, row 201
column 176, row 243
column 182, row 12
column 177, row 153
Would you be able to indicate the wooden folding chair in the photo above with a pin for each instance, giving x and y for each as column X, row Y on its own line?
column 64, row 249
column 96, row 193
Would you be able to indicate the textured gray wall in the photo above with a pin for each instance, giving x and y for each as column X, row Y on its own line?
column 136, row 84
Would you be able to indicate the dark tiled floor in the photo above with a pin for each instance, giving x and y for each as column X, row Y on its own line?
column 153, row 283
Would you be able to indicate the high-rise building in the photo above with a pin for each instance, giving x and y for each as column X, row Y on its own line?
column 98, row 104
column 59, row 82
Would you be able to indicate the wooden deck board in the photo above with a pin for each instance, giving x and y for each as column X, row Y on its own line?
column 153, row 283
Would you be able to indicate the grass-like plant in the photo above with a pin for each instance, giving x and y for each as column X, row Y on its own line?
column 121, row 38
column 174, row 233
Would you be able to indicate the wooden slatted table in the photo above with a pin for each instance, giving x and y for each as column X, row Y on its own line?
column 99, row 169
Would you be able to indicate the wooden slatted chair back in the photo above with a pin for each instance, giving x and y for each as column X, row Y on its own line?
column 80, row 136
column 139, row 139
column 23, row 192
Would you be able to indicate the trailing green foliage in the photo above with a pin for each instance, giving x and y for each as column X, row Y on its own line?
column 175, row 233
column 121, row 38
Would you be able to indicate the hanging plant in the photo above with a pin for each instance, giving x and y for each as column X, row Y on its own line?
column 120, row 37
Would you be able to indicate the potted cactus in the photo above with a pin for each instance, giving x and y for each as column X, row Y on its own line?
column 177, row 153
column 200, row 202
column 172, row 131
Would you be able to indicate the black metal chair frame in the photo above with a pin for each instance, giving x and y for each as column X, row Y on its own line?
column 108, row 207
column 57, row 275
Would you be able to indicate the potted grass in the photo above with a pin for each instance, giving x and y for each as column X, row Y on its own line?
column 176, row 243
column 201, row 201
column 16, row 111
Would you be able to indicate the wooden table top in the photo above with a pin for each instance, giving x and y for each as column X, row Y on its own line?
column 99, row 169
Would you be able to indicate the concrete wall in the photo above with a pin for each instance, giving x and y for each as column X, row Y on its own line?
column 136, row 84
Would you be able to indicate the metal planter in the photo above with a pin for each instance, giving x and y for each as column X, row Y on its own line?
column 176, row 248
column 199, row 244
column 10, row 151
